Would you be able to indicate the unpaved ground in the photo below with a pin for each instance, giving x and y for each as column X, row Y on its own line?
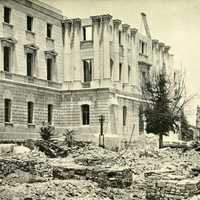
column 61, row 189
column 142, row 156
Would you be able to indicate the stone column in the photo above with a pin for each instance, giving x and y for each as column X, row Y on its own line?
column 134, row 52
column 154, row 56
column 116, row 24
column 67, row 25
column 106, row 46
column 76, row 50
column 161, row 46
column 125, row 28
column 96, row 31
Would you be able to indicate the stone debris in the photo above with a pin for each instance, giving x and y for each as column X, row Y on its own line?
column 61, row 189
column 162, row 184
column 121, row 171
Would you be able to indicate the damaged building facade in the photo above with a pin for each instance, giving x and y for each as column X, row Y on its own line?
column 68, row 72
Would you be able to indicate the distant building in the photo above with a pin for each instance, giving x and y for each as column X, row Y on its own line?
column 68, row 72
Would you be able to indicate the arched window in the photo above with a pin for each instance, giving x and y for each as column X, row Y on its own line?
column 85, row 109
column 124, row 115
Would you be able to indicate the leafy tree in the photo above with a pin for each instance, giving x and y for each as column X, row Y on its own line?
column 164, row 101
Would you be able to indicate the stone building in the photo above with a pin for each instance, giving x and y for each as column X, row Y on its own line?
column 68, row 72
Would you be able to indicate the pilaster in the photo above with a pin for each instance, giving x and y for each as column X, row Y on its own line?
column 76, row 49
column 116, row 24
column 96, row 20
column 106, row 46
column 125, row 28
column 67, row 24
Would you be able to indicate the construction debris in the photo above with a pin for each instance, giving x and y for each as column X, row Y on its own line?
column 98, row 167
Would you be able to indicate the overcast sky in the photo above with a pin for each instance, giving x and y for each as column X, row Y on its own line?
column 174, row 22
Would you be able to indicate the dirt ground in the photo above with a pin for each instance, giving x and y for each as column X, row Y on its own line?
column 143, row 155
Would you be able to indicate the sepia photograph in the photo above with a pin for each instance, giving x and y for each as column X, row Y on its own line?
column 99, row 100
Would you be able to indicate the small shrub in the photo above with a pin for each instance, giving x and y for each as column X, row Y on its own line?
column 46, row 132
column 68, row 137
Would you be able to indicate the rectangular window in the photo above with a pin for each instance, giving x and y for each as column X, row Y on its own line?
column 124, row 115
column 29, row 23
column 120, row 71
column 87, row 70
column 7, row 110
column 87, row 33
column 129, row 73
column 85, row 114
column 50, row 114
column 30, row 112
column 111, row 68
column 120, row 37
column 49, row 69
column 7, row 12
column 6, row 56
column 29, row 58
column 49, row 30
column 143, row 47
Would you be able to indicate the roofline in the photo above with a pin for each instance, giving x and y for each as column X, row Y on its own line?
column 41, row 7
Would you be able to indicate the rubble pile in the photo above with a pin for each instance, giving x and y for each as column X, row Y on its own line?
column 25, row 167
column 105, row 177
column 163, row 184
column 92, row 155
column 110, row 174
column 61, row 189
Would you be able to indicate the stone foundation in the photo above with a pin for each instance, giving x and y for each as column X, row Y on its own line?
column 118, row 178
column 163, row 185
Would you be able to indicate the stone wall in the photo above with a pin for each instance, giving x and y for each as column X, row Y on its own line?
column 67, row 112
column 118, row 178
column 162, row 185
column 38, row 37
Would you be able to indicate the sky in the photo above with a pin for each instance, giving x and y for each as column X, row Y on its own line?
column 174, row 22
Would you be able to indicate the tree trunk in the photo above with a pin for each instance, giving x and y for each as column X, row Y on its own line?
column 160, row 140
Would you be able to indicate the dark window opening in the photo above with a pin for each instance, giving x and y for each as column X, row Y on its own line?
column 87, row 68
column 85, row 114
column 49, row 69
column 111, row 68
column 120, row 37
column 6, row 59
column 124, row 115
column 120, row 71
column 7, row 12
column 87, row 33
column 29, row 64
column 143, row 47
column 7, row 111
column 49, row 30
column 30, row 112
column 50, row 114
column 29, row 23
column 129, row 73
column 141, row 119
